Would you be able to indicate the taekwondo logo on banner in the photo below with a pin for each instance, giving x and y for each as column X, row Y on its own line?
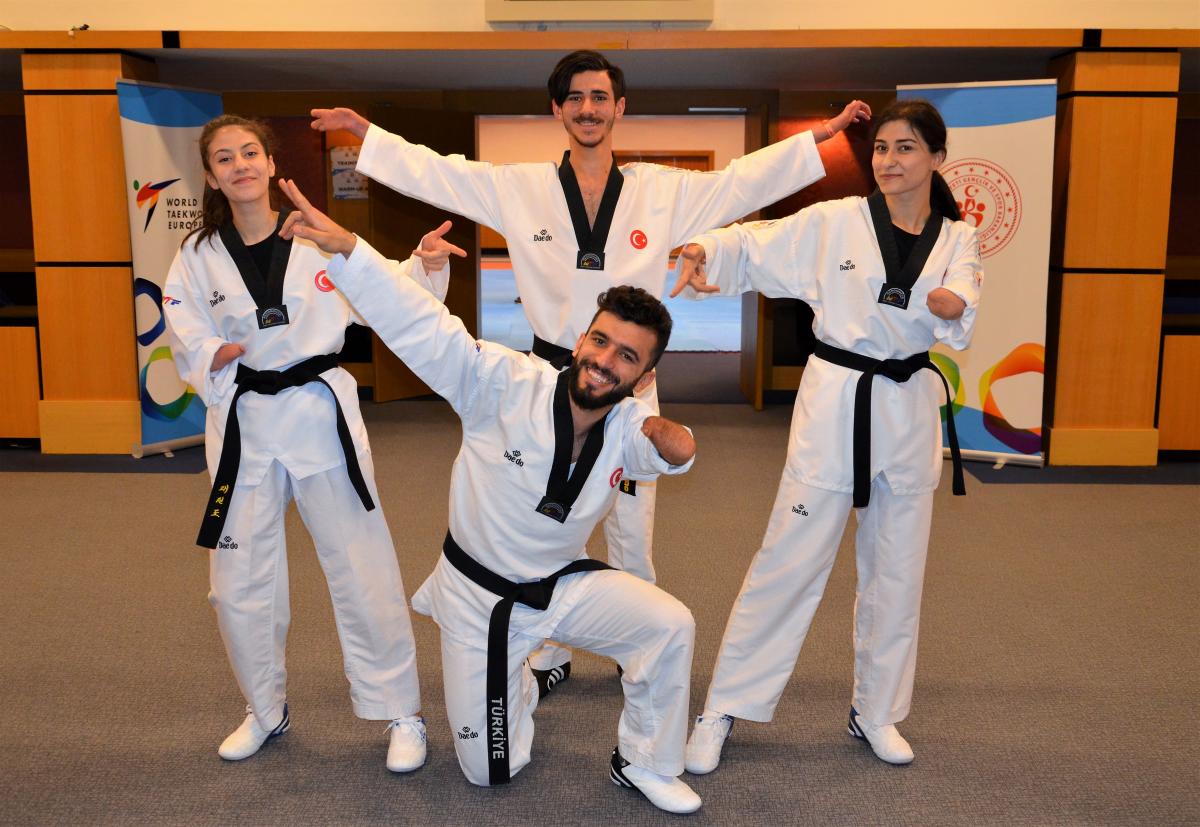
column 999, row 166
column 160, row 128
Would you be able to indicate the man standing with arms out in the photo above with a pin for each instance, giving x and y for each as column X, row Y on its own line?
column 584, row 225
column 543, row 453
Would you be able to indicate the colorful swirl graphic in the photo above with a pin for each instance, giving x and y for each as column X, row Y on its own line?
column 949, row 369
column 1024, row 358
column 172, row 410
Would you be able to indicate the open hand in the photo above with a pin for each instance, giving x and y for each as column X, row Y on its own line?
column 435, row 251
column 690, row 266
column 310, row 223
column 328, row 120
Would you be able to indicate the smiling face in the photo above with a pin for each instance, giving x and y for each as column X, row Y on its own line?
column 902, row 161
column 237, row 165
column 589, row 111
column 612, row 362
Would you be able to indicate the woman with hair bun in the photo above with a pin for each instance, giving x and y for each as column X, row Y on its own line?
column 886, row 277
column 255, row 327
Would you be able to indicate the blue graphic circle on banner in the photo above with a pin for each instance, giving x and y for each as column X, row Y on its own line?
column 145, row 287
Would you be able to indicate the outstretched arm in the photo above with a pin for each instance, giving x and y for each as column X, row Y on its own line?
column 673, row 442
column 329, row 120
column 450, row 182
column 713, row 199
column 411, row 322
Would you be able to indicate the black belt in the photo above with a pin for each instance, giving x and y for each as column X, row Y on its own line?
column 550, row 351
column 536, row 595
column 898, row 370
column 271, row 382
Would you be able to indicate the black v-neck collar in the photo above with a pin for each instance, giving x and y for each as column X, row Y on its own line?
column 901, row 273
column 265, row 289
column 564, row 485
column 591, row 238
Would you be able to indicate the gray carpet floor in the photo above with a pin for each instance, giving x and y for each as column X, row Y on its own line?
column 1057, row 682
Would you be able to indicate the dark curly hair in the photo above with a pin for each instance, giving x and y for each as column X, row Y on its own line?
column 633, row 304
column 584, row 60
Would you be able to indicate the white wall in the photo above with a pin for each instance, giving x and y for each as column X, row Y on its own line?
column 468, row 15
column 504, row 140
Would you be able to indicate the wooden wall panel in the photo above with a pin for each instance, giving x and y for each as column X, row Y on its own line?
column 19, row 391
column 1108, row 350
column 90, row 426
column 82, row 70
column 1179, row 394
column 1118, row 72
column 77, row 178
column 1119, row 192
column 87, row 333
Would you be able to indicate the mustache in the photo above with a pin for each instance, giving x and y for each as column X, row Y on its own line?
column 606, row 375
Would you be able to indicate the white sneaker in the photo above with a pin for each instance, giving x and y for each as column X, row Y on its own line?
column 885, row 740
column 663, row 791
column 249, row 737
column 406, row 750
column 704, row 747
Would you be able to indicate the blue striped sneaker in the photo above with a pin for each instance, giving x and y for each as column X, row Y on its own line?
column 249, row 737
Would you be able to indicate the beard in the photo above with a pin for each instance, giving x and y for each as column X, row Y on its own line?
column 594, row 401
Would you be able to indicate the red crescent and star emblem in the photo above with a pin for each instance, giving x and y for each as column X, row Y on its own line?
column 323, row 283
column 638, row 239
column 616, row 477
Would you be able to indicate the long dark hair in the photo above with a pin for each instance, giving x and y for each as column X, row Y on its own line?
column 927, row 122
column 215, row 206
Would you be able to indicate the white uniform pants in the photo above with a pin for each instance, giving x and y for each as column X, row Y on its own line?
column 629, row 536
column 249, row 591
column 612, row 613
column 787, row 577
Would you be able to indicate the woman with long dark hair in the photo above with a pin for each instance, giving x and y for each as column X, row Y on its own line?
column 255, row 327
column 886, row 277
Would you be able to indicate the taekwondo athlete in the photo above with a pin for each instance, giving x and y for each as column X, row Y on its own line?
column 585, row 224
column 887, row 277
column 542, row 455
column 255, row 326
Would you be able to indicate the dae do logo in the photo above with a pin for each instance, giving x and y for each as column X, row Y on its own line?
column 988, row 198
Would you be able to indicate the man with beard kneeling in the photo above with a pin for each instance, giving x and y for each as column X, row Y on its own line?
column 543, row 454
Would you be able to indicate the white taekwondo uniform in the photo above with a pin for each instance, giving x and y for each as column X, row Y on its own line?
column 658, row 209
column 827, row 256
column 509, row 405
column 290, row 448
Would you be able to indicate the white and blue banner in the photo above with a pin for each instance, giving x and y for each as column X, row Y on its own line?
column 999, row 165
column 160, row 127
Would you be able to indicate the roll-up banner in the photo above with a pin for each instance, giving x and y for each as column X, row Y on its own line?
column 999, row 164
column 160, row 127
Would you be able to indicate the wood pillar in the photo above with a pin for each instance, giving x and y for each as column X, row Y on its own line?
column 81, row 247
column 1112, row 192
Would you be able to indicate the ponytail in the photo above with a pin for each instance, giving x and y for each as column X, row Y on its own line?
column 941, row 199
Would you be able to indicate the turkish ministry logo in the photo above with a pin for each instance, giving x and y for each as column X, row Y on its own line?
column 988, row 198
column 147, row 195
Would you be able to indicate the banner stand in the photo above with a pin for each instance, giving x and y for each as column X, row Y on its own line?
column 999, row 166
column 160, row 129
